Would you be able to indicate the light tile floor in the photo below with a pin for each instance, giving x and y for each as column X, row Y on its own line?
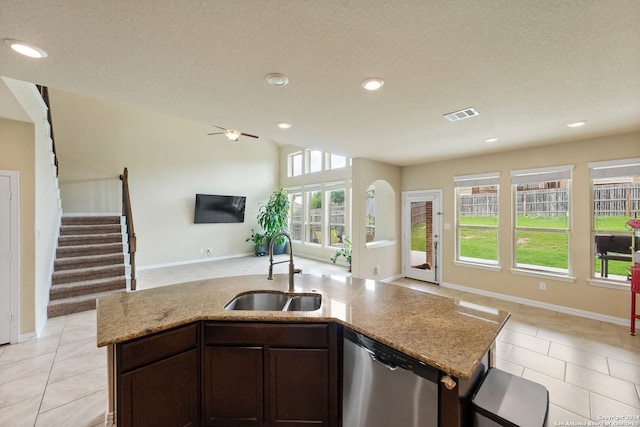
column 591, row 368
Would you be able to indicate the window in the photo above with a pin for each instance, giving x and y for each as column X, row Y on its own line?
column 542, row 219
column 336, row 199
column 477, row 218
column 315, row 161
column 314, row 217
column 370, row 214
column 296, row 215
column 616, row 199
column 295, row 164
column 335, row 162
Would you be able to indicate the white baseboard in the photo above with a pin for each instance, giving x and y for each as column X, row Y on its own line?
column 27, row 337
column 553, row 307
column 193, row 261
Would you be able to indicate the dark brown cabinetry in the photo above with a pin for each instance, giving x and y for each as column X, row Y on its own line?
column 158, row 381
column 262, row 374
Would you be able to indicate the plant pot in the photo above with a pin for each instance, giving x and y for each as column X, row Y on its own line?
column 278, row 248
column 260, row 250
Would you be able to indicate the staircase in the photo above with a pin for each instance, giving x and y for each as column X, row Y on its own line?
column 89, row 264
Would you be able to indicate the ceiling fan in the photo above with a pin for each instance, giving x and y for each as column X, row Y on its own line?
column 231, row 134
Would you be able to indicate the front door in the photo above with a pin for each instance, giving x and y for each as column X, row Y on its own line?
column 421, row 251
column 5, row 259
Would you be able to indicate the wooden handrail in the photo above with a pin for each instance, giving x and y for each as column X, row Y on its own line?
column 128, row 214
column 44, row 92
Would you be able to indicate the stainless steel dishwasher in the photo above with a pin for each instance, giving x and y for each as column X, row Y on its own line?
column 383, row 387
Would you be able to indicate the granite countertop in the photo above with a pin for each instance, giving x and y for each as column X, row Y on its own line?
column 448, row 334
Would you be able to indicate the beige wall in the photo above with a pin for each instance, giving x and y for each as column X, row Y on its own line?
column 579, row 294
column 169, row 161
column 386, row 256
column 17, row 153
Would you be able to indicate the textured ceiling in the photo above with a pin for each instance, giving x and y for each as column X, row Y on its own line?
column 528, row 67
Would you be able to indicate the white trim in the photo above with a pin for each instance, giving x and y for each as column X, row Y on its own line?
column 553, row 307
column 529, row 176
column 379, row 244
column 14, row 245
column 94, row 214
column 192, row 261
column 610, row 284
column 614, row 168
column 476, row 180
column 542, row 274
column 26, row 337
column 480, row 265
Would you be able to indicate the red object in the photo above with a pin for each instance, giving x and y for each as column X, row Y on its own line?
column 634, row 223
column 635, row 289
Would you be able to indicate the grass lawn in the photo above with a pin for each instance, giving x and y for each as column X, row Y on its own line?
column 535, row 248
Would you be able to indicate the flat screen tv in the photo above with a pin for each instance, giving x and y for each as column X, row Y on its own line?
column 219, row 209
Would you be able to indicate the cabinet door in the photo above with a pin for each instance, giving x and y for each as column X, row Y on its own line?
column 164, row 393
column 233, row 386
column 299, row 387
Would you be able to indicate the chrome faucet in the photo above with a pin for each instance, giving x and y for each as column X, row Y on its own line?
column 292, row 269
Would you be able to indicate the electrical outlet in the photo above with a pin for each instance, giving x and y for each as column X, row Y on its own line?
column 543, row 286
column 209, row 251
column 376, row 269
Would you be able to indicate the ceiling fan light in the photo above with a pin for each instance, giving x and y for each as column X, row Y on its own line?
column 373, row 83
column 26, row 49
column 232, row 135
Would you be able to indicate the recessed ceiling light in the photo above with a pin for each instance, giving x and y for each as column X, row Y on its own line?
column 26, row 49
column 576, row 124
column 494, row 139
column 277, row 79
column 283, row 125
column 373, row 83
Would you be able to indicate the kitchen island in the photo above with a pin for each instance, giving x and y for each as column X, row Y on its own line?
column 449, row 335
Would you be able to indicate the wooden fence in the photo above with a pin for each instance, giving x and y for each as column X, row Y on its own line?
column 608, row 200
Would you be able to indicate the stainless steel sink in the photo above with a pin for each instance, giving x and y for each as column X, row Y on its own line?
column 304, row 303
column 274, row 301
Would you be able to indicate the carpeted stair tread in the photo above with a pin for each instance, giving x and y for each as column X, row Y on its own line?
column 67, row 230
column 87, row 261
column 85, row 250
column 64, row 306
column 81, row 274
column 66, row 290
column 90, row 220
column 90, row 263
column 89, row 239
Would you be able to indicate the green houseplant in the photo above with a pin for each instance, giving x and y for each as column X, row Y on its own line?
column 273, row 216
column 258, row 242
column 344, row 251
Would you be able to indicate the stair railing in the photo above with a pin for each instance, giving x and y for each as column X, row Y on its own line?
column 128, row 214
column 44, row 92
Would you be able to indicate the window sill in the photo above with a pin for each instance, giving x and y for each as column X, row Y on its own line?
column 542, row 274
column 482, row 266
column 380, row 243
column 610, row 284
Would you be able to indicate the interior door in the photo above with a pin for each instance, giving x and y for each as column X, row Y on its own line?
column 5, row 259
column 421, row 225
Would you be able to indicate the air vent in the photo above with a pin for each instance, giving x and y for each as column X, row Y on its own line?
column 462, row 114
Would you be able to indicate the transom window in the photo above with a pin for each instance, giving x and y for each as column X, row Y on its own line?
column 312, row 161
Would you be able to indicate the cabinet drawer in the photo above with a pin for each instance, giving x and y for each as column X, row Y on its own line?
column 159, row 346
column 308, row 335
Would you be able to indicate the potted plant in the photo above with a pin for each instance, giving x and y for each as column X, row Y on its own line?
column 344, row 251
column 258, row 242
column 273, row 216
